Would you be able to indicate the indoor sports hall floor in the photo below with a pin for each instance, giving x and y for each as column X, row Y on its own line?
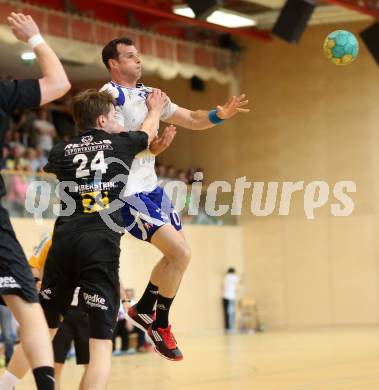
column 339, row 358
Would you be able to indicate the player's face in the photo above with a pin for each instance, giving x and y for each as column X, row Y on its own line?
column 129, row 62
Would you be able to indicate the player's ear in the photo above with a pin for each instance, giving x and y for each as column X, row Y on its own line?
column 112, row 63
column 101, row 120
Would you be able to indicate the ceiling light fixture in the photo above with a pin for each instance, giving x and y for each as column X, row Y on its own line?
column 183, row 10
column 222, row 17
column 231, row 19
column 28, row 56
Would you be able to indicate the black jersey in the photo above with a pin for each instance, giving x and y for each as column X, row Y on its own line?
column 92, row 169
column 15, row 94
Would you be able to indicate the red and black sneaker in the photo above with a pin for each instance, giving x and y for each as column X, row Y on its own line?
column 164, row 343
column 140, row 320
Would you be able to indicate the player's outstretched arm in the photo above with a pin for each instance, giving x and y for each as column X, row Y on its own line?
column 54, row 82
column 201, row 120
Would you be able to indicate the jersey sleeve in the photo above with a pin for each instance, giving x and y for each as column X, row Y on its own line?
column 108, row 87
column 137, row 140
column 19, row 94
column 54, row 160
column 168, row 110
column 39, row 257
column 119, row 97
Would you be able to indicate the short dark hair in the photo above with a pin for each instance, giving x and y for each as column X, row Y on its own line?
column 88, row 105
column 231, row 270
column 110, row 49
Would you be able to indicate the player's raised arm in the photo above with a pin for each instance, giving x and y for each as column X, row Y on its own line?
column 155, row 103
column 201, row 120
column 54, row 82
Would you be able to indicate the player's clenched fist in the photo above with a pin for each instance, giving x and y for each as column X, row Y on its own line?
column 156, row 100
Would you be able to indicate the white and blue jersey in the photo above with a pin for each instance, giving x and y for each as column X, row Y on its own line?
column 147, row 206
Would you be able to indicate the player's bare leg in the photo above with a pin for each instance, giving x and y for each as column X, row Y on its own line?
column 19, row 366
column 58, row 368
column 164, row 283
column 38, row 350
column 99, row 368
column 169, row 271
column 83, row 376
column 35, row 338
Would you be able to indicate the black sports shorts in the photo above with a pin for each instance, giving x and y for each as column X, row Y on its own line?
column 82, row 270
column 15, row 275
column 74, row 328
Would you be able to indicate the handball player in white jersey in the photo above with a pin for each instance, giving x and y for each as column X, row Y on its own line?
column 148, row 212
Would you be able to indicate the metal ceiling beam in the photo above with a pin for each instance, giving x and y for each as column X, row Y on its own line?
column 323, row 14
column 138, row 6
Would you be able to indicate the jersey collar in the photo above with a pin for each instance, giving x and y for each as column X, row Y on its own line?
column 92, row 130
column 138, row 85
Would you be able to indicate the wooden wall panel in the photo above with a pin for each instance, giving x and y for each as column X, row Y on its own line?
column 353, row 257
column 264, row 277
column 307, row 274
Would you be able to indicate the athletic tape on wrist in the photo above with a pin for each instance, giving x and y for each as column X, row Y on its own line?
column 35, row 40
column 212, row 116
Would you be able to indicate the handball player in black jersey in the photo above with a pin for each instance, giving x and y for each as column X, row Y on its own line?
column 16, row 281
column 83, row 262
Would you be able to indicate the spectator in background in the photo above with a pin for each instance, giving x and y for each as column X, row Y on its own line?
column 6, row 155
column 120, row 331
column 160, row 170
column 45, row 130
column 181, row 175
column 20, row 124
column 190, row 175
column 31, row 156
column 171, row 172
column 15, row 142
column 61, row 116
column 229, row 296
column 7, row 138
column 18, row 188
column 41, row 158
column 125, row 328
column 16, row 158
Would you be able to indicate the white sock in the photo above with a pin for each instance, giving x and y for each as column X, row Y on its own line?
column 8, row 381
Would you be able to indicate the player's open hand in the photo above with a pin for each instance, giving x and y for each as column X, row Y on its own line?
column 23, row 26
column 234, row 105
column 156, row 100
column 164, row 141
